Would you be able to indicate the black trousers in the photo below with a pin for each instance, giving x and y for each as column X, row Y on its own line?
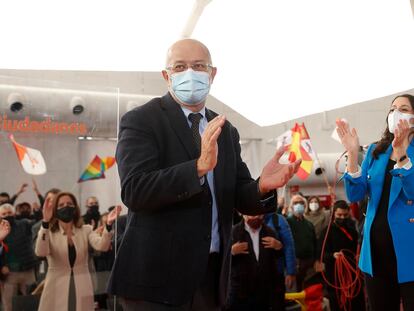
column 385, row 294
column 205, row 297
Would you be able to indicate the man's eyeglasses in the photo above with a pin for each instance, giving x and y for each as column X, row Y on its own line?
column 180, row 67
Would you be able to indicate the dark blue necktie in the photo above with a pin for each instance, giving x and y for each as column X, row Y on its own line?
column 195, row 128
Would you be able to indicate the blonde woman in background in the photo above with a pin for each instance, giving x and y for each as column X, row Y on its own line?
column 64, row 240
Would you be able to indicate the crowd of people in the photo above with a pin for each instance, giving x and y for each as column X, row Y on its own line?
column 49, row 250
column 202, row 234
column 272, row 253
column 293, row 237
column 54, row 251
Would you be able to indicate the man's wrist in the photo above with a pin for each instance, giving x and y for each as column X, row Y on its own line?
column 262, row 191
column 200, row 171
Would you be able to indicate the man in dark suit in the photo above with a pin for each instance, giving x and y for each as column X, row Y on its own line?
column 181, row 177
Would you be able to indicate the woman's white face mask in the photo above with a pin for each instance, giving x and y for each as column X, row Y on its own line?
column 395, row 117
column 313, row 206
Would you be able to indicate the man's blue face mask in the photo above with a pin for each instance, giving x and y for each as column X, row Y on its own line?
column 191, row 87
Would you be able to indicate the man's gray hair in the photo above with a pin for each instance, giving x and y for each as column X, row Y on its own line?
column 7, row 206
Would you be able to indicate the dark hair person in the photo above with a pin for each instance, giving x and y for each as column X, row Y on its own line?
column 387, row 178
column 64, row 240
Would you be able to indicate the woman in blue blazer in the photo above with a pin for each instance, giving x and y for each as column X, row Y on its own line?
column 387, row 179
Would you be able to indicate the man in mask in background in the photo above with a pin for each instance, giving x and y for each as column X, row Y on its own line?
column 256, row 283
column 342, row 240
column 304, row 236
column 92, row 215
column 181, row 177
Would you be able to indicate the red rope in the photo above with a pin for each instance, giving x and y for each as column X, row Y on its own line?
column 347, row 276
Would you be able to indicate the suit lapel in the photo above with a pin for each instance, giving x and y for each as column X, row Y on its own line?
column 396, row 183
column 377, row 173
column 179, row 124
column 261, row 247
column 219, row 177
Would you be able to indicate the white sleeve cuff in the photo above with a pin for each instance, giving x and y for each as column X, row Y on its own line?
column 356, row 174
column 406, row 166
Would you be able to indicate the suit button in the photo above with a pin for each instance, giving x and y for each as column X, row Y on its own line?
column 400, row 175
column 409, row 202
column 208, row 237
column 411, row 220
column 179, row 197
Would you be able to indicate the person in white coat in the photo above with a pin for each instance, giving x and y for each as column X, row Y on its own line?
column 64, row 240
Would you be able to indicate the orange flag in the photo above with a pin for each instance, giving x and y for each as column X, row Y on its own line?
column 298, row 152
column 31, row 159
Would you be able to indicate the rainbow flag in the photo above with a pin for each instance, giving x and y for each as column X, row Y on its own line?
column 96, row 168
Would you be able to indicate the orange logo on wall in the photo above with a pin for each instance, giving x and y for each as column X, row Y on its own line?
column 46, row 126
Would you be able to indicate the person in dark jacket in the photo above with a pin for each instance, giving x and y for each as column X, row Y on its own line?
column 342, row 240
column 181, row 177
column 19, row 260
column 256, row 283
column 304, row 236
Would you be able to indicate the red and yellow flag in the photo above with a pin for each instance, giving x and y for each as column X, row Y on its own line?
column 298, row 152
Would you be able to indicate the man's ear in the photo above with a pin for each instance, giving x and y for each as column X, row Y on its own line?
column 213, row 73
column 165, row 75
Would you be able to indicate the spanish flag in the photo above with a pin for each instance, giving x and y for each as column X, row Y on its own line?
column 298, row 152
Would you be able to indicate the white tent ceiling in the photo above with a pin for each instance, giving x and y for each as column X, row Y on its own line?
column 277, row 60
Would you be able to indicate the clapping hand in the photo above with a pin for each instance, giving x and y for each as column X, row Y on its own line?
column 209, row 149
column 275, row 174
column 349, row 138
column 400, row 142
column 47, row 210
column 114, row 214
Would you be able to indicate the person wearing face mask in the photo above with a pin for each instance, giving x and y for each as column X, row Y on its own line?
column 304, row 236
column 24, row 211
column 256, row 283
column 342, row 240
column 92, row 215
column 64, row 240
column 317, row 215
column 19, row 261
column 181, row 177
column 386, row 176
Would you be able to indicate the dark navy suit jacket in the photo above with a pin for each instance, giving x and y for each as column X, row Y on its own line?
column 164, row 252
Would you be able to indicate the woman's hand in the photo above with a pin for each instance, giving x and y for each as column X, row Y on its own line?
column 400, row 142
column 47, row 210
column 349, row 138
column 114, row 215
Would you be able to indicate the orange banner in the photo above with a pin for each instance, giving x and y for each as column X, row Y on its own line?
column 46, row 126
